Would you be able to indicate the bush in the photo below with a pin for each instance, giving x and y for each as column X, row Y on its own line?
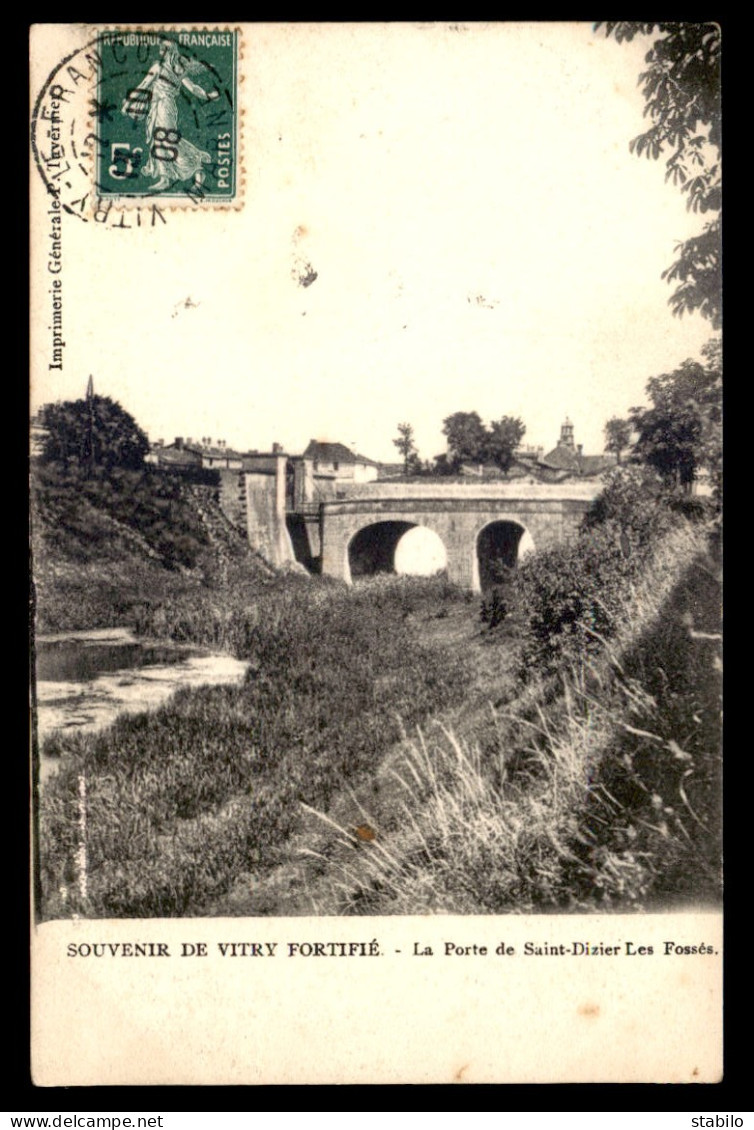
column 692, row 507
column 596, row 790
column 502, row 599
column 91, row 434
column 75, row 510
column 633, row 503
column 571, row 597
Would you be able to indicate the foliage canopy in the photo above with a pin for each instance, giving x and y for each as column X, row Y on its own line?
column 92, row 434
column 617, row 435
column 470, row 441
column 682, row 431
column 681, row 88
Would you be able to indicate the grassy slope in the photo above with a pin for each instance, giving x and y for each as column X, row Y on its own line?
column 130, row 557
column 596, row 789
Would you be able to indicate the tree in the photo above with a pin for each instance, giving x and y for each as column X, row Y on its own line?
column 504, row 437
column 92, row 434
column 470, row 441
column 407, row 447
column 467, row 438
column 681, row 88
column 617, row 435
column 681, row 432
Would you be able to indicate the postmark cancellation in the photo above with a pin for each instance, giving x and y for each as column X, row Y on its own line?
column 140, row 117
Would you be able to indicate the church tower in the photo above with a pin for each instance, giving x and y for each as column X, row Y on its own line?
column 566, row 435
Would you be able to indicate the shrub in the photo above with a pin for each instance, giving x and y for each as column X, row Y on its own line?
column 596, row 790
column 633, row 504
column 84, row 515
column 572, row 596
column 502, row 599
column 92, row 433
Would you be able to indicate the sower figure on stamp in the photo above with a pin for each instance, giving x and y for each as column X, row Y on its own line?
column 170, row 156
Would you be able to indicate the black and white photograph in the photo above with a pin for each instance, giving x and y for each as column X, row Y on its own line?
column 376, row 534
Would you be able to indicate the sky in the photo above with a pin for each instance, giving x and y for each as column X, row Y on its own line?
column 482, row 240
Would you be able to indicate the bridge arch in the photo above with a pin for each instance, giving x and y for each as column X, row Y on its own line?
column 458, row 514
column 379, row 547
column 500, row 542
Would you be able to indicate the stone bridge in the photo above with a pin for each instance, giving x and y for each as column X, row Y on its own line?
column 357, row 531
column 477, row 524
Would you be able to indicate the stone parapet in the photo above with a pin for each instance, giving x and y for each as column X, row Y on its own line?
column 583, row 491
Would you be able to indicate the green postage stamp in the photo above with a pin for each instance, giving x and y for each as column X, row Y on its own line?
column 166, row 110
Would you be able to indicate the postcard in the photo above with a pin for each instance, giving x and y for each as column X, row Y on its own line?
column 375, row 462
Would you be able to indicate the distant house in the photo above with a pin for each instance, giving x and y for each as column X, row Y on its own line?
column 194, row 453
column 569, row 456
column 530, row 465
column 524, row 468
column 338, row 460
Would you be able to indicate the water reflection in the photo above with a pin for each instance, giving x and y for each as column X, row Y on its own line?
column 85, row 681
column 79, row 661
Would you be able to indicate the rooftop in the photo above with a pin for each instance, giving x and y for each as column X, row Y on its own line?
column 335, row 453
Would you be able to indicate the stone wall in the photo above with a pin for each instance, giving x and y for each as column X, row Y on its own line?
column 265, row 515
column 232, row 498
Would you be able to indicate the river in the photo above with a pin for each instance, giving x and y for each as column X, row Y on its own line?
column 85, row 680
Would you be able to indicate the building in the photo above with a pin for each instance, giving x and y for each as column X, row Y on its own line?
column 569, row 456
column 194, row 453
column 338, row 460
column 529, row 465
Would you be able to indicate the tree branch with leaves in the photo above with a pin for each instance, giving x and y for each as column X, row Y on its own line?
column 681, row 88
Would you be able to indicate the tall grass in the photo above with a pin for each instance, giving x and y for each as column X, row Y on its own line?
column 601, row 792
column 179, row 801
